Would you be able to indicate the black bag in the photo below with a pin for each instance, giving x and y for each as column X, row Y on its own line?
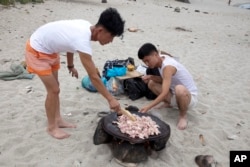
column 151, row 71
column 150, row 95
column 135, row 88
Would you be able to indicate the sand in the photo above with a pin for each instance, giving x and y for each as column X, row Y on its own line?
column 215, row 49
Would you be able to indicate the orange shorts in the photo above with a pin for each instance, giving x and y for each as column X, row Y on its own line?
column 41, row 63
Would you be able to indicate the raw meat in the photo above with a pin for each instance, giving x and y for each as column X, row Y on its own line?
column 142, row 128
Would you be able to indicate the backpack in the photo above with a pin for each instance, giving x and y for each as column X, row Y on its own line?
column 151, row 71
column 135, row 88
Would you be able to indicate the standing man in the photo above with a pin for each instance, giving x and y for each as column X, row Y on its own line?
column 175, row 86
column 71, row 36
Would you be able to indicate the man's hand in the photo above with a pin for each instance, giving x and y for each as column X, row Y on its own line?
column 115, row 105
column 73, row 72
column 146, row 78
column 144, row 109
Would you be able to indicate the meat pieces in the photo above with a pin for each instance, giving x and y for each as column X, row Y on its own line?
column 142, row 128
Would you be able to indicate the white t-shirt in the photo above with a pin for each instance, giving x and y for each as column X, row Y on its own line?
column 181, row 77
column 63, row 36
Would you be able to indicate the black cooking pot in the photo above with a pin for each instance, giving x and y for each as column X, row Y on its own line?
column 112, row 129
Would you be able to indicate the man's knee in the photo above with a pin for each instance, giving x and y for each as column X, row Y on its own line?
column 55, row 91
column 151, row 84
column 181, row 91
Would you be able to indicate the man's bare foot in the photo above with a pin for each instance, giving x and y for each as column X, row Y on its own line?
column 58, row 133
column 182, row 123
column 63, row 124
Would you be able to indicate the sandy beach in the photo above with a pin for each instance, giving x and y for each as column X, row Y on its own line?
column 213, row 43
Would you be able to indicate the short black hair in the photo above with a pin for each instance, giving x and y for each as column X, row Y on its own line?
column 145, row 50
column 111, row 20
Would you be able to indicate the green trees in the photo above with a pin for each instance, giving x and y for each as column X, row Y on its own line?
column 12, row 2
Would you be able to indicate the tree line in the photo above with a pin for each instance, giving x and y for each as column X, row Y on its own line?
column 12, row 2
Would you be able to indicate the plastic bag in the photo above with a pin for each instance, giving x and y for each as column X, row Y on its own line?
column 116, row 71
column 110, row 64
column 114, row 86
column 87, row 84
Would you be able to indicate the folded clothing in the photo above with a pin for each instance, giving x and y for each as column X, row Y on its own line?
column 17, row 72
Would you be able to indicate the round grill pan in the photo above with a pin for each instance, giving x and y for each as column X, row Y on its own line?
column 112, row 128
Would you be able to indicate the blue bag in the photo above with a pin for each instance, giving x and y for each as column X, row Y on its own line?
column 87, row 84
column 116, row 71
column 113, row 68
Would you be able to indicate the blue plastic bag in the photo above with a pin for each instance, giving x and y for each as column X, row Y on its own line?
column 117, row 71
column 87, row 84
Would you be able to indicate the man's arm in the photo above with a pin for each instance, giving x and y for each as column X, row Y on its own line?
column 70, row 65
column 96, row 80
column 168, row 72
column 70, row 60
column 155, row 78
